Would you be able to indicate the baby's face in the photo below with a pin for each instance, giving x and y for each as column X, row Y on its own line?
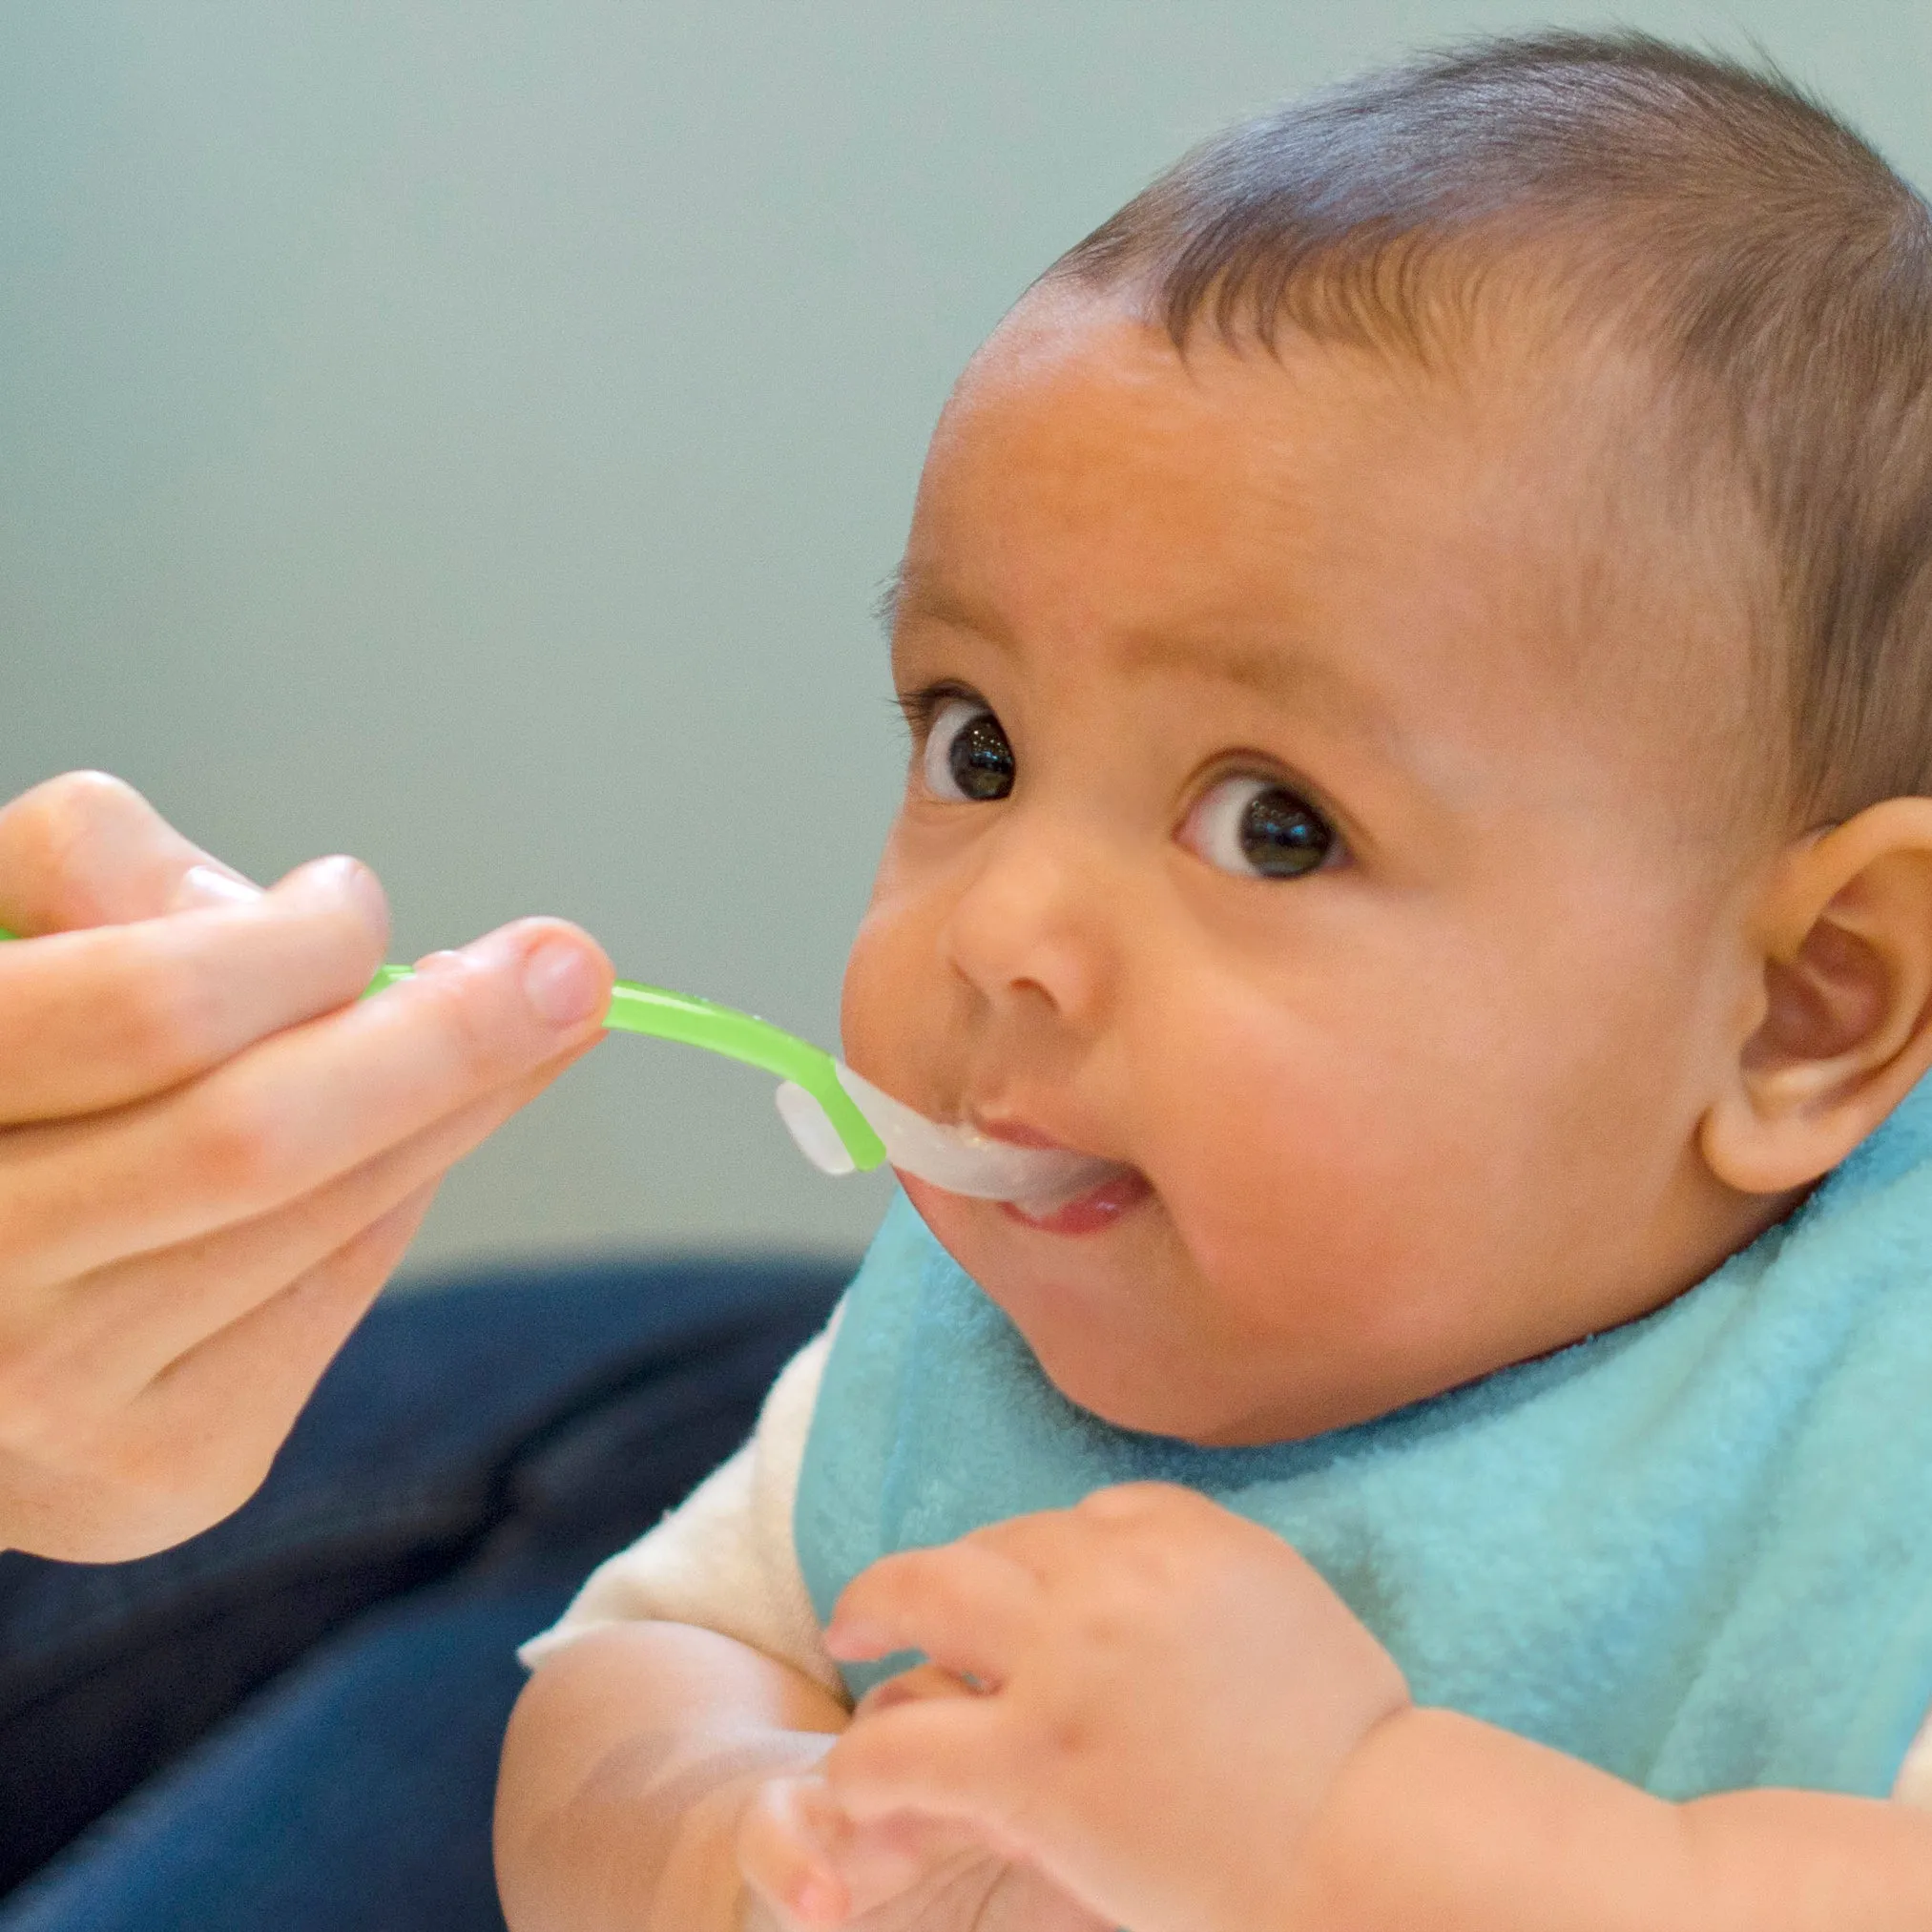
column 1291, row 818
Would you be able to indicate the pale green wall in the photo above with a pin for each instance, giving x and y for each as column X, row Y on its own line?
column 472, row 435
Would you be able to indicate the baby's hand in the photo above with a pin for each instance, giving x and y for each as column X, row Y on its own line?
column 812, row 1869
column 1169, row 1694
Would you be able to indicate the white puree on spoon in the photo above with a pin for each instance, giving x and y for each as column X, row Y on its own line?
column 960, row 1159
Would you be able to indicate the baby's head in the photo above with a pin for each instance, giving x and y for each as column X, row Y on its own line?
column 1418, row 639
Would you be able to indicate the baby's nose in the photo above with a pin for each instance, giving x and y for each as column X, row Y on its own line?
column 1034, row 925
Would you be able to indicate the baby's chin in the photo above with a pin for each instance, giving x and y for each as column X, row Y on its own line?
column 1097, row 1304
column 1122, row 1323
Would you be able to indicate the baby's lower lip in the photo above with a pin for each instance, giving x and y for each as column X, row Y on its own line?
column 1089, row 1212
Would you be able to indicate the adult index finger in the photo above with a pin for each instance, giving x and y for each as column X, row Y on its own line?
column 97, row 1018
column 289, row 1115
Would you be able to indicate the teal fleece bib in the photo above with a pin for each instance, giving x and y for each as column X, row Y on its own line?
column 1696, row 1551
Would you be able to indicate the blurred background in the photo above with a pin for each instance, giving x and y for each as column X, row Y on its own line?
column 473, row 436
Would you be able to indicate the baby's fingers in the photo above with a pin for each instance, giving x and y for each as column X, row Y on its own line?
column 813, row 1869
column 969, row 1608
column 917, row 1685
column 950, row 1760
column 788, row 1853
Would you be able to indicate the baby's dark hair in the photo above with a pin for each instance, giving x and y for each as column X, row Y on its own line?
column 1757, row 255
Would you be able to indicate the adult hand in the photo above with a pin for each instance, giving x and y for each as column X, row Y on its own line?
column 212, row 1155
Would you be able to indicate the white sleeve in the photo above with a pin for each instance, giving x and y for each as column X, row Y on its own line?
column 1913, row 1785
column 726, row 1558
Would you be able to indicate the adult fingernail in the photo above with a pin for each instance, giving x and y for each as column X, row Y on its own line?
column 359, row 884
column 561, row 984
column 209, row 885
column 345, row 881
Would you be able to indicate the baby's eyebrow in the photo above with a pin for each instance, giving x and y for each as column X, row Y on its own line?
column 1282, row 673
column 914, row 590
column 888, row 598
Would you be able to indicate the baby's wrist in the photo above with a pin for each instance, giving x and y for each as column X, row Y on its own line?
column 1332, row 1845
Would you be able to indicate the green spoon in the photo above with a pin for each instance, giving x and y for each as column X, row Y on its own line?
column 691, row 1022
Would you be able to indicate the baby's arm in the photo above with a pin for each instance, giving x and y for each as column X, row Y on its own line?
column 1436, row 1819
column 653, row 1760
column 630, row 1758
column 689, row 1669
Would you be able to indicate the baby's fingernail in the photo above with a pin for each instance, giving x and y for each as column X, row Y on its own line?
column 441, row 961
column 209, row 885
column 848, row 1638
column 561, row 984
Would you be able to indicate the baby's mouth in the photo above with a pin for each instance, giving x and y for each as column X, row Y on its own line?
column 1100, row 1201
column 1091, row 1213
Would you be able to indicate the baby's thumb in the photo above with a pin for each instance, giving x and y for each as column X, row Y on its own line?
column 789, row 1838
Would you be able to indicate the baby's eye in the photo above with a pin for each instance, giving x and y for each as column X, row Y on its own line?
column 967, row 755
column 1258, row 828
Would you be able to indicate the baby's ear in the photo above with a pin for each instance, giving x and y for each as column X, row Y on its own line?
column 1846, row 1027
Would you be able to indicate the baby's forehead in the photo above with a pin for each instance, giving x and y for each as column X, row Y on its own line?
column 1091, row 379
column 1253, row 468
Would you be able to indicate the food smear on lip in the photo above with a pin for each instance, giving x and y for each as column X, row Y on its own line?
column 1088, row 1214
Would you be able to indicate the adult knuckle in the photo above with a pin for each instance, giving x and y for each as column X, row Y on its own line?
column 63, row 809
column 236, row 1146
column 180, row 1486
column 44, row 830
column 46, row 1420
column 343, row 932
column 478, row 1054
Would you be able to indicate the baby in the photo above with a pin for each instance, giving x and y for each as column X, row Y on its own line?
column 1416, row 637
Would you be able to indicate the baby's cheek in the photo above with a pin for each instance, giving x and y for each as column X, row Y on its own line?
column 891, row 1002
column 1307, row 1183
column 865, row 1002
